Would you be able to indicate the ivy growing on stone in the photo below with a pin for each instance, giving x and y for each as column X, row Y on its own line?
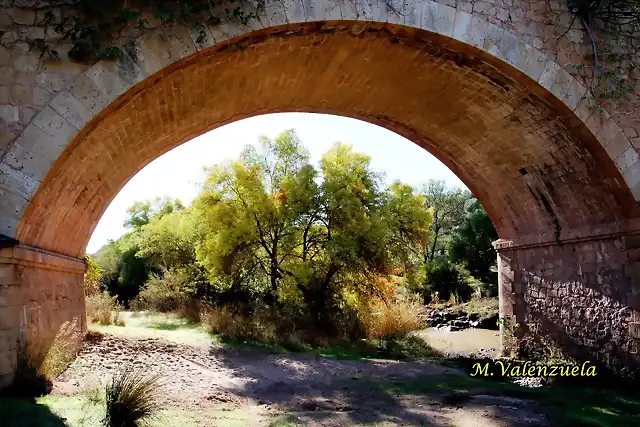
column 606, row 15
column 96, row 29
column 615, row 20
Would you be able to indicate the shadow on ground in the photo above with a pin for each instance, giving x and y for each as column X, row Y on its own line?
column 27, row 413
column 308, row 389
column 325, row 391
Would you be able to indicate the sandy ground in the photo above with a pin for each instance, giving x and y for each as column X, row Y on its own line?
column 311, row 390
column 468, row 342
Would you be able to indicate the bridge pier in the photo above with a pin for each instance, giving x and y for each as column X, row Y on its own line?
column 39, row 291
column 583, row 292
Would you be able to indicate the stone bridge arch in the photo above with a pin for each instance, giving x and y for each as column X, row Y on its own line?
column 559, row 179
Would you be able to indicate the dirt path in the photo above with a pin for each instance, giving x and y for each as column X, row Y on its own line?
column 311, row 390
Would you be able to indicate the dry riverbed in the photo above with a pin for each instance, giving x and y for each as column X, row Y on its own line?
column 208, row 384
column 310, row 390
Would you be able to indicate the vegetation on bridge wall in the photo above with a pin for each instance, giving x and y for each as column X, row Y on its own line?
column 611, row 27
column 99, row 30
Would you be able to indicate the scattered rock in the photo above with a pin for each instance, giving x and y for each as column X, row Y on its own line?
column 457, row 321
column 489, row 323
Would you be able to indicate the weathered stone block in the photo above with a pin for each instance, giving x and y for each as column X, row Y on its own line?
column 9, row 113
column 71, row 109
column 179, row 41
column 10, row 317
column 48, row 291
column 536, row 62
column 8, row 362
column 469, row 29
column 627, row 159
column 11, row 204
column 27, row 162
column 10, row 295
column 18, row 181
column 107, row 79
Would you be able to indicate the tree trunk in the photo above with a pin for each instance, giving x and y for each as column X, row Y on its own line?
column 433, row 247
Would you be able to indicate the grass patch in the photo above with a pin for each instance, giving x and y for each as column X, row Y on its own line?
column 177, row 329
column 49, row 411
column 287, row 421
column 81, row 411
column 142, row 325
column 175, row 326
column 567, row 407
column 406, row 348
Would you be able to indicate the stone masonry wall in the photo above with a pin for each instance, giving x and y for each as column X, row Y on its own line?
column 586, row 295
column 43, row 100
column 46, row 104
column 28, row 82
column 39, row 291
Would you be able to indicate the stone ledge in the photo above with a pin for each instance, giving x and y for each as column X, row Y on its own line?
column 7, row 242
column 40, row 259
column 584, row 234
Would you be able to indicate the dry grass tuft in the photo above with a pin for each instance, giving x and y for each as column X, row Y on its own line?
column 131, row 397
column 63, row 350
column 392, row 320
column 38, row 366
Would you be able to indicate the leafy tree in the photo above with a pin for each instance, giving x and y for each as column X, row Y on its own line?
column 448, row 206
column 140, row 213
column 124, row 272
column 148, row 248
column 445, row 279
column 271, row 225
column 246, row 226
column 407, row 221
column 168, row 239
column 93, row 275
column 471, row 244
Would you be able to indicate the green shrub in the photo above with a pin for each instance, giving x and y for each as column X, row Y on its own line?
column 168, row 292
column 103, row 309
column 447, row 280
column 131, row 397
column 93, row 276
column 259, row 326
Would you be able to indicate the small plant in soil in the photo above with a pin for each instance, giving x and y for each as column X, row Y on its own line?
column 132, row 397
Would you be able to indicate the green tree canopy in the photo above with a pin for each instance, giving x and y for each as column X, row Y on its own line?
column 471, row 244
column 273, row 223
column 269, row 228
column 448, row 206
column 140, row 213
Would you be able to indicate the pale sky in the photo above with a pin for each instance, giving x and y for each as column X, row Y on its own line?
column 179, row 173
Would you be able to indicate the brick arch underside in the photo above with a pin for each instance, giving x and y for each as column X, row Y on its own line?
column 535, row 167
